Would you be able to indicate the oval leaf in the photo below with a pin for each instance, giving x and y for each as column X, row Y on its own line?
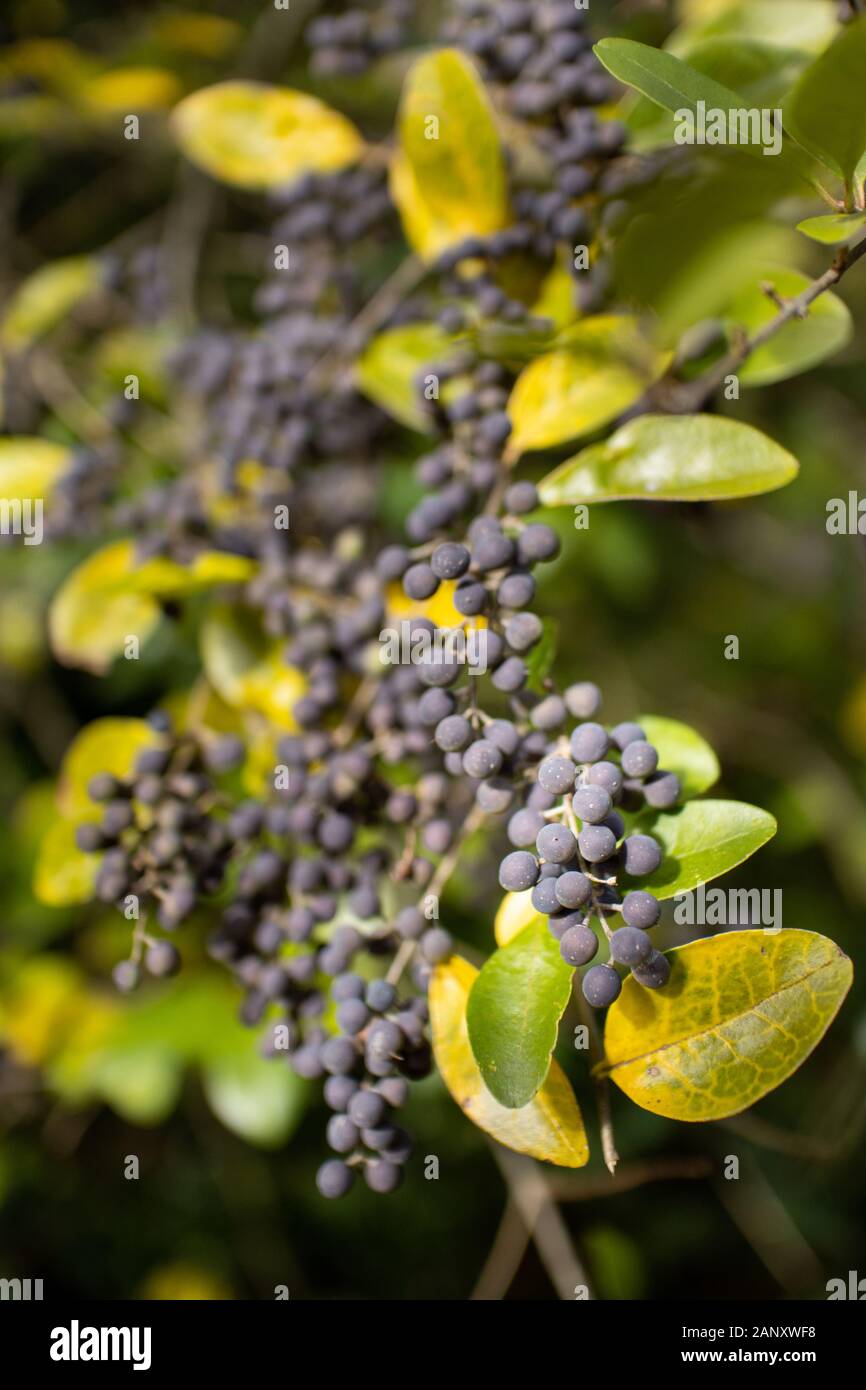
column 389, row 366
column 703, row 840
column 260, row 1101
column 29, row 468
column 514, row 1011
column 47, row 297
column 104, row 745
column 515, row 912
column 826, row 111
column 256, row 136
column 605, row 368
column 682, row 750
column 448, row 176
column 679, row 458
column 740, row 1013
column 92, row 615
column 801, row 343
column 62, row 874
column 549, row 1127
column 833, row 228
column 247, row 668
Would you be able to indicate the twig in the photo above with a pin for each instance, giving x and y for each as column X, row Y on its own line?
column 683, row 398
column 505, row 1257
column 530, row 1190
column 583, row 1187
column 757, row 1211
column 602, row 1085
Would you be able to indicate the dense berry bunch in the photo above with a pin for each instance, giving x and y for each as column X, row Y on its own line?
column 574, row 850
column 348, row 43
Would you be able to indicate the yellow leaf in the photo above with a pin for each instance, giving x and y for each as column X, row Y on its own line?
column 256, row 136
column 448, row 176
column 63, row 875
column 105, row 745
column 133, row 89
column 206, row 35
column 46, row 297
column 29, row 468
column 247, row 668
column 550, row 1127
column 515, row 913
column 603, row 368
column 439, row 609
column 740, row 1013
column 92, row 615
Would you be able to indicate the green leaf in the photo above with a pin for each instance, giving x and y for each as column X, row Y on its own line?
column 30, row 467
column 549, row 1126
column 257, row 1099
column 682, row 750
column 253, row 135
column 759, row 72
column 826, row 111
column 247, row 668
column 514, row 1011
column 664, row 458
column 389, row 366
column 605, row 367
column 46, row 298
column 740, row 1013
column 539, row 661
column 702, row 840
column 833, row 228
column 806, row 24
column 801, row 343
column 142, row 1085
column 448, row 175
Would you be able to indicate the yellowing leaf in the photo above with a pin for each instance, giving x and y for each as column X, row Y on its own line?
column 256, row 136
column 105, row 745
column 133, row 90
column 29, row 468
column 387, row 369
column 92, row 615
column 740, row 1013
column 604, row 368
column 515, row 912
column 46, row 297
column 206, row 35
column 549, row 1127
column 63, row 875
column 247, row 668
column 448, row 177
column 439, row 609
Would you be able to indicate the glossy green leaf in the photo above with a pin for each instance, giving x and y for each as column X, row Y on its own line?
column 702, row 840
column 833, row 228
column 682, row 750
column 801, row 343
column 549, row 1126
column 30, row 467
column 826, row 111
column 806, row 24
column 253, row 135
column 605, row 367
column 514, row 1011
column 388, row 369
column 448, row 175
column 759, row 72
column 46, row 298
column 740, row 1013
column 664, row 458
column 257, row 1099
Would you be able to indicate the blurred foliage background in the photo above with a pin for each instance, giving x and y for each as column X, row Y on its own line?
column 225, row 1206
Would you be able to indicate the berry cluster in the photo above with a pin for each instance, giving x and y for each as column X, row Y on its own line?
column 346, row 45
column 581, row 846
